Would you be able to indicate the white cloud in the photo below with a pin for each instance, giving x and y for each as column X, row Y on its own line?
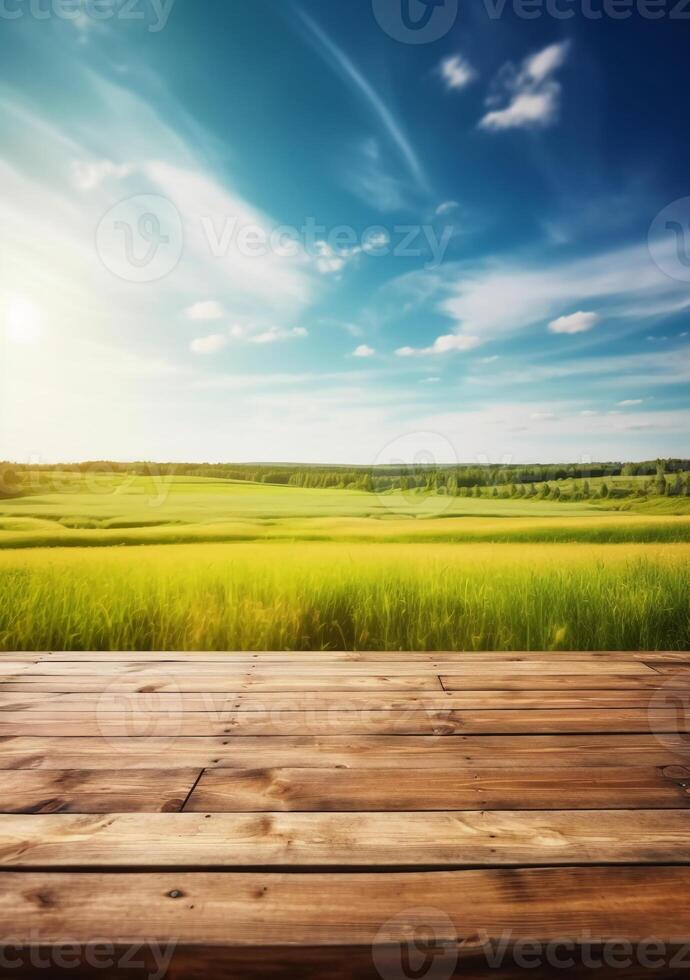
column 574, row 323
column 376, row 240
column 217, row 225
column 456, row 72
column 589, row 413
column 542, row 416
column 494, row 299
column 275, row 334
column 363, row 351
column 205, row 310
column 87, row 175
column 446, row 207
column 429, row 381
column 211, row 344
column 525, row 109
column 544, row 63
column 627, row 402
column 490, row 360
column 531, row 95
column 448, row 343
column 327, row 259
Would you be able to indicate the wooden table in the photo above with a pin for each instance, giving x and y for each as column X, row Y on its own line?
column 331, row 815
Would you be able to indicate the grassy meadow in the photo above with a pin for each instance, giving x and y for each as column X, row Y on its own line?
column 142, row 563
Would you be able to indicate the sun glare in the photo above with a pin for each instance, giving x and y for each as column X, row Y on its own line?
column 22, row 322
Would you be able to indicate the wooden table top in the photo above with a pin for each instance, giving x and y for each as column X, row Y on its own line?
column 339, row 815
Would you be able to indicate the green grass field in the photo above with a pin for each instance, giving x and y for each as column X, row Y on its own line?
column 143, row 563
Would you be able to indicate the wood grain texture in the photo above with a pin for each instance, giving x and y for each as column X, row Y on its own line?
column 266, row 682
column 463, row 959
column 352, row 752
column 339, row 656
column 347, row 722
column 78, row 791
column 226, row 681
column 326, row 668
column 358, row 840
column 280, row 814
column 267, row 909
column 46, row 704
column 273, row 790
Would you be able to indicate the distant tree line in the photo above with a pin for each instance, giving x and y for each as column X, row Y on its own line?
column 660, row 477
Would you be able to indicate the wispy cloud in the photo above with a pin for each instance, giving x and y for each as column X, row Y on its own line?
column 368, row 176
column 88, row 175
column 336, row 57
column 216, row 342
column 530, row 94
column 497, row 299
column 446, row 208
column 275, row 334
column 448, row 344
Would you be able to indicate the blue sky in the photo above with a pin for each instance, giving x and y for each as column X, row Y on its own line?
column 278, row 231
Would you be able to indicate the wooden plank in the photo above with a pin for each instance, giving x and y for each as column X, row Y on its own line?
column 273, row 790
column 370, row 752
column 49, row 705
column 674, row 669
column 343, row 656
column 451, row 960
column 401, row 840
column 264, row 909
column 346, row 722
column 460, row 959
column 75, row 791
column 511, row 682
column 300, row 683
column 227, row 682
column 326, row 668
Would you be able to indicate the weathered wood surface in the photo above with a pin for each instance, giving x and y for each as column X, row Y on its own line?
column 442, row 721
column 99, row 791
column 266, row 681
column 635, row 902
column 46, row 703
column 357, row 751
column 357, row 840
column 276, row 814
column 274, row 790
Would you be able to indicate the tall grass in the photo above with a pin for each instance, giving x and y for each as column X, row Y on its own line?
column 360, row 596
